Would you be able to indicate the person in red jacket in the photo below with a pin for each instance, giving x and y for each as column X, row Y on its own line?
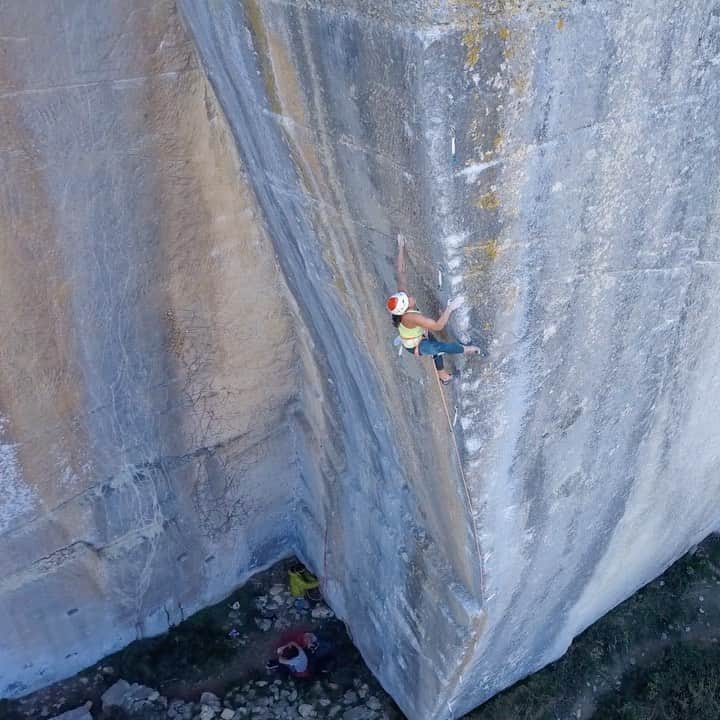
column 302, row 654
column 291, row 654
column 295, row 659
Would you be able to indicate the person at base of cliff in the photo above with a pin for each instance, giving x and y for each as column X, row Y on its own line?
column 320, row 652
column 302, row 655
column 294, row 659
column 415, row 329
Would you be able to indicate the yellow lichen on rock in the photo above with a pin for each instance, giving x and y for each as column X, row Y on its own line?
column 485, row 250
column 477, row 138
column 520, row 85
column 488, row 201
column 494, row 8
column 472, row 39
column 491, row 248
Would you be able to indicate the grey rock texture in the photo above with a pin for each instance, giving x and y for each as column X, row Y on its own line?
column 80, row 713
column 132, row 698
column 556, row 163
column 144, row 392
column 176, row 412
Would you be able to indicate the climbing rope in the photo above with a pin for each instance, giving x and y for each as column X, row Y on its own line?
column 468, row 498
column 464, row 482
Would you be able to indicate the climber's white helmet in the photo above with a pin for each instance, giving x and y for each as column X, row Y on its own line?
column 398, row 303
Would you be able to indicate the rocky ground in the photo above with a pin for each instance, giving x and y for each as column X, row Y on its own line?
column 655, row 657
column 212, row 667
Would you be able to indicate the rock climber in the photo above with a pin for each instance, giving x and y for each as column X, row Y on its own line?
column 415, row 329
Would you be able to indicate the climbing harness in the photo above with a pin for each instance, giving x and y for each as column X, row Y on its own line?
column 411, row 337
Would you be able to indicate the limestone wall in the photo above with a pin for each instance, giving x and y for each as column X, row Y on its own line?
column 180, row 407
column 147, row 356
column 556, row 163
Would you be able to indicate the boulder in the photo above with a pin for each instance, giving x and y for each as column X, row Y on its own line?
column 359, row 713
column 114, row 695
column 322, row 611
column 373, row 703
column 81, row 713
column 211, row 699
column 131, row 697
column 350, row 697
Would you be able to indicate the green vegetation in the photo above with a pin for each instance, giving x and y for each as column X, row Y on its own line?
column 654, row 657
column 683, row 683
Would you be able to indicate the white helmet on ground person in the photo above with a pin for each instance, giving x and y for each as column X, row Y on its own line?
column 398, row 303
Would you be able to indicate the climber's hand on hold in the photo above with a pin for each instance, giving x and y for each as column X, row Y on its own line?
column 442, row 321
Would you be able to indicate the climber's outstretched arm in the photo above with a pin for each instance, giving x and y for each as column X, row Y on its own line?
column 442, row 321
column 430, row 324
column 400, row 268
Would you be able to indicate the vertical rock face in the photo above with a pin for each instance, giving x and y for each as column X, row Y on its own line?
column 556, row 163
column 592, row 268
column 147, row 351
column 176, row 412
